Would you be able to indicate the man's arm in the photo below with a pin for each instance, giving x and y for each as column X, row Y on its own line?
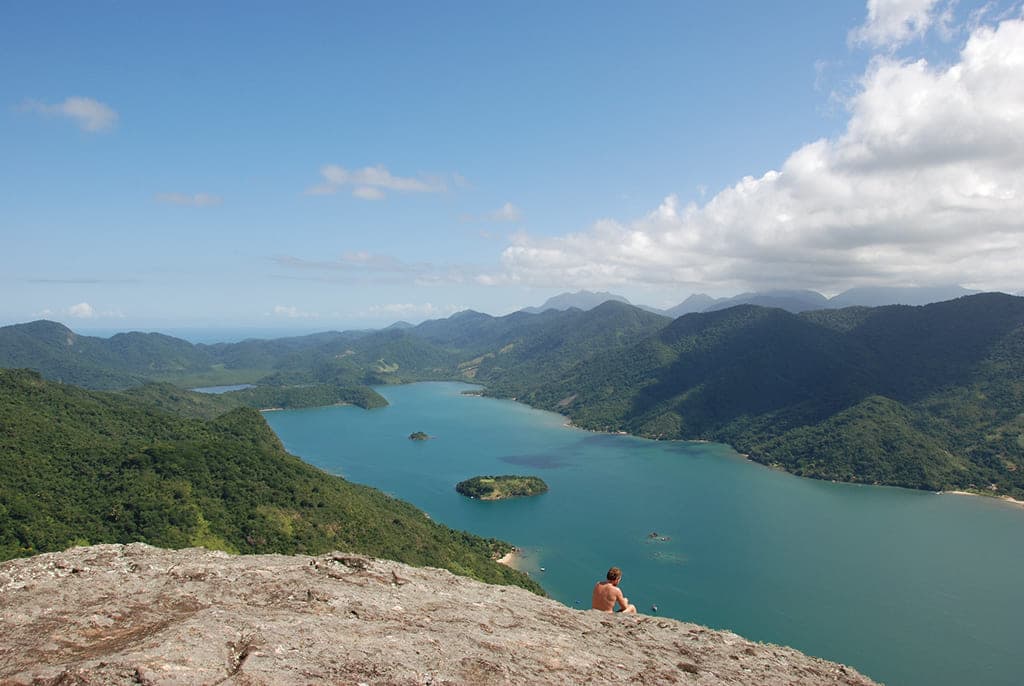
column 621, row 599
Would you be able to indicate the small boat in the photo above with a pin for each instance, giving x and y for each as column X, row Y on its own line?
column 543, row 570
column 654, row 608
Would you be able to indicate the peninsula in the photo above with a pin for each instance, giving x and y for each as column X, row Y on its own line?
column 501, row 487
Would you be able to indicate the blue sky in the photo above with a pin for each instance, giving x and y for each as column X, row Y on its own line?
column 351, row 164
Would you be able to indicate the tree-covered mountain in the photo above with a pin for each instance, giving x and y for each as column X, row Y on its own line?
column 118, row 362
column 81, row 467
column 548, row 347
column 926, row 397
column 301, row 371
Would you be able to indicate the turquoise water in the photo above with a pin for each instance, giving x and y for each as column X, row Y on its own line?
column 911, row 588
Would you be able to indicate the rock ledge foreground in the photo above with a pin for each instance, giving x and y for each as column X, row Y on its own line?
column 134, row 614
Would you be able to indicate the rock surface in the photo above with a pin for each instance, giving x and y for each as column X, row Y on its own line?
column 135, row 614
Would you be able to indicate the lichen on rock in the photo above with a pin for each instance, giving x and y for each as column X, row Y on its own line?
column 137, row 614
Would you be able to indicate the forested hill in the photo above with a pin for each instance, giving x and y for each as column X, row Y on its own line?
column 926, row 397
column 118, row 362
column 80, row 467
column 302, row 371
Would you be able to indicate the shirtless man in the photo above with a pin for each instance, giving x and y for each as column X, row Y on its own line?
column 607, row 593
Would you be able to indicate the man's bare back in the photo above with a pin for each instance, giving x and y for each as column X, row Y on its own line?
column 607, row 594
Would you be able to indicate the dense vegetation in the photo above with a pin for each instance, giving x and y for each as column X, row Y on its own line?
column 80, row 467
column 501, row 487
column 305, row 371
column 925, row 397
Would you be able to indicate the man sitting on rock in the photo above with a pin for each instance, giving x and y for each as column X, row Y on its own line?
column 607, row 593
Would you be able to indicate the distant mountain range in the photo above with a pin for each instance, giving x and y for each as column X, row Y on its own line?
column 582, row 300
column 790, row 300
column 919, row 396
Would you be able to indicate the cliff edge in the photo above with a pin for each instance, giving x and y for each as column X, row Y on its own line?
column 134, row 614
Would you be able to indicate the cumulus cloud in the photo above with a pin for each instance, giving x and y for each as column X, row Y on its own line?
column 925, row 185
column 368, row 193
column 292, row 312
column 891, row 23
column 370, row 183
column 82, row 310
column 90, row 115
column 506, row 213
column 186, row 200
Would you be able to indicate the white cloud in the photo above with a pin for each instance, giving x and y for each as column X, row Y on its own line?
column 926, row 185
column 90, row 115
column 292, row 312
column 891, row 23
column 368, row 193
column 185, row 200
column 506, row 213
column 371, row 182
column 82, row 310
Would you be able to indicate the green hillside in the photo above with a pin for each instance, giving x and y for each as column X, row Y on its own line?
column 80, row 466
column 925, row 397
column 554, row 345
column 304, row 371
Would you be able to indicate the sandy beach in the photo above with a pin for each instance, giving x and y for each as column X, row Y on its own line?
column 1004, row 498
column 509, row 558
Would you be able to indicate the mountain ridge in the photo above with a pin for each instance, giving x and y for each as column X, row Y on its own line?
column 942, row 377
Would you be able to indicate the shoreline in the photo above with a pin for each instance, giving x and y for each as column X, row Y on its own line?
column 510, row 558
column 567, row 423
column 1009, row 500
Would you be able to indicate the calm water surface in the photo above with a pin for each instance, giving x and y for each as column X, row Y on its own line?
column 911, row 588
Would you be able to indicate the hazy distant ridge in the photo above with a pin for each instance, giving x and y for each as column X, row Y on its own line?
column 789, row 300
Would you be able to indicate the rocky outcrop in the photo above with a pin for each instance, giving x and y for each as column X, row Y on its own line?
column 135, row 614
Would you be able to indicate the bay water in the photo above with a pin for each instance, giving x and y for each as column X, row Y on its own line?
column 909, row 587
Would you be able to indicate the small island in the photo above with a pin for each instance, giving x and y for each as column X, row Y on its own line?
column 418, row 436
column 501, row 487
